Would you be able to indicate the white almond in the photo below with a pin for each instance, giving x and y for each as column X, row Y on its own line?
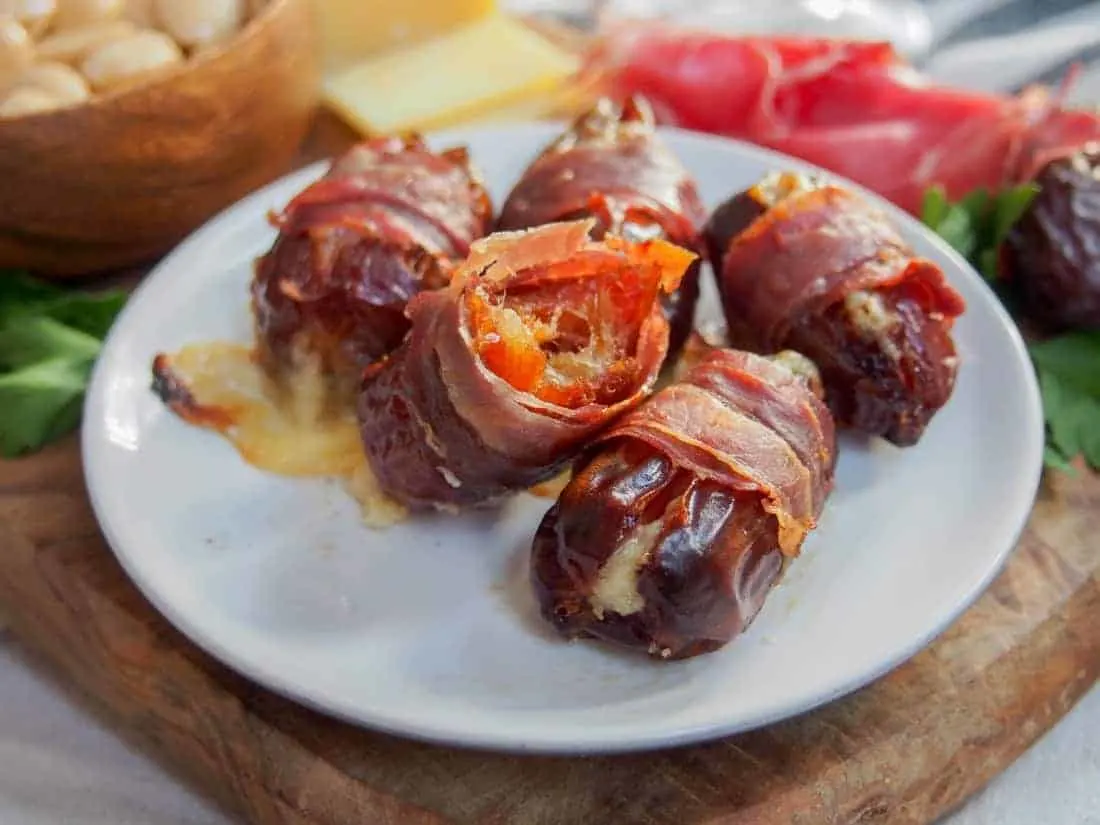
column 130, row 59
column 74, row 45
column 198, row 23
column 16, row 50
column 63, row 82
column 75, row 14
column 140, row 13
column 34, row 15
column 27, row 101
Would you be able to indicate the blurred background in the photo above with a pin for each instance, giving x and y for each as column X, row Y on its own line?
column 995, row 45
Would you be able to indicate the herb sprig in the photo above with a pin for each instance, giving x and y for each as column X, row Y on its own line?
column 49, row 340
column 1067, row 366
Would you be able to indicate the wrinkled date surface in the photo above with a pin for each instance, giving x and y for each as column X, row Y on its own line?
column 885, row 353
column 642, row 554
column 1052, row 254
column 338, row 296
column 890, row 383
column 388, row 220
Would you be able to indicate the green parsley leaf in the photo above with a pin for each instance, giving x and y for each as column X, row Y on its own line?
column 27, row 339
column 1074, row 357
column 1055, row 460
column 38, row 403
column 976, row 225
column 934, row 206
column 952, row 222
column 89, row 313
column 1068, row 366
column 19, row 293
column 50, row 337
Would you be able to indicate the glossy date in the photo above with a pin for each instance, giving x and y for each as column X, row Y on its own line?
column 1052, row 254
column 885, row 352
column 345, row 312
column 648, row 556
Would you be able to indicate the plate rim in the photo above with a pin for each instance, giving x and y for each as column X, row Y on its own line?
column 92, row 446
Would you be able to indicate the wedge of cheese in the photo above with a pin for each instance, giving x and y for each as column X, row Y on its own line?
column 485, row 66
column 352, row 30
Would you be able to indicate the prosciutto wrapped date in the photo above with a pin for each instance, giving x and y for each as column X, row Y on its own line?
column 389, row 219
column 541, row 340
column 813, row 267
column 680, row 517
column 611, row 166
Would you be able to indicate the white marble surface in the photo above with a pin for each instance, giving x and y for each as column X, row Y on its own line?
column 60, row 764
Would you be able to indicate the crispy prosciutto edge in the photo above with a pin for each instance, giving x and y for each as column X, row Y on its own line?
column 675, row 553
column 811, row 250
column 741, row 420
column 442, row 429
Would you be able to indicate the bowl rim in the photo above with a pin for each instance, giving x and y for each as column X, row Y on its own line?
column 259, row 21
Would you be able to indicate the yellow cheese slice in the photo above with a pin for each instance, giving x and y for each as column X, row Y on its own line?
column 481, row 67
column 351, row 30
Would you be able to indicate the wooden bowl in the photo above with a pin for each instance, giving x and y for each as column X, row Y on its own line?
column 119, row 180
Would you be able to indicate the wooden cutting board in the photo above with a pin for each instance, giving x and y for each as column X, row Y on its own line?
column 906, row 749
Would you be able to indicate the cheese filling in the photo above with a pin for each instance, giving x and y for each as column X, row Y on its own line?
column 778, row 186
column 616, row 588
column 872, row 319
column 294, row 432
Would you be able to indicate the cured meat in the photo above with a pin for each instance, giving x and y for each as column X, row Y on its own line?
column 611, row 166
column 389, row 219
column 541, row 340
column 854, row 108
column 808, row 265
column 680, row 518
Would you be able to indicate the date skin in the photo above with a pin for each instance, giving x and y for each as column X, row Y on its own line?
column 714, row 560
column 891, row 384
column 390, row 219
column 1052, row 253
column 888, row 384
column 359, row 315
column 677, row 523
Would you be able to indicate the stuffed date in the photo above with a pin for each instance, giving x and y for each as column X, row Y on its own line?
column 542, row 338
column 389, row 219
column 813, row 267
column 680, row 518
column 1052, row 253
column 611, row 166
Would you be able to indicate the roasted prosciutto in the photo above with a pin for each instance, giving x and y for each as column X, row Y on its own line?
column 611, row 166
column 680, row 518
column 389, row 219
column 541, row 340
column 807, row 265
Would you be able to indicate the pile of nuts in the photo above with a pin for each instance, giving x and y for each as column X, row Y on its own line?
column 56, row 53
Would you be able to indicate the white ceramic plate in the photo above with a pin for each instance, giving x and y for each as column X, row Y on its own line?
column 429, row 629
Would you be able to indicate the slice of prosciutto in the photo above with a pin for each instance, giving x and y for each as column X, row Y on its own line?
column 389, row 219
column 854, row 108
column 541, row 340
column 610, row 165
column 807, row 265
column 680, row 518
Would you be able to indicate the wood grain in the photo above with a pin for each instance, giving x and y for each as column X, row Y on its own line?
column 119, row 180
column 904, row 750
